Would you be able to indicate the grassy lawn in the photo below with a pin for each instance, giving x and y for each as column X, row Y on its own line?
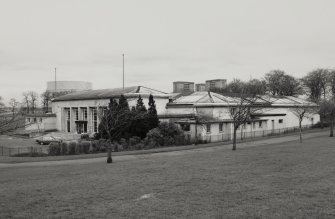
column 270, row 181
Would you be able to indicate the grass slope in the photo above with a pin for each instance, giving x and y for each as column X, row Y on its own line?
column 270, row 181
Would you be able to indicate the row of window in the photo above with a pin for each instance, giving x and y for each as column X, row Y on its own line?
column 94, row 120
column 186, row 127
column 34, row 119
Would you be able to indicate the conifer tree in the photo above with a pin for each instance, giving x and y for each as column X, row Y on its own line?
column 152, row 113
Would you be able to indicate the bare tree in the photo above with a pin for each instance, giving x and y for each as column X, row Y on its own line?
column 33, row 100
column 46, row 98
column 240, row 113
column 303, row 111
column 317, row 81
column 26, row 101
column 13, row 103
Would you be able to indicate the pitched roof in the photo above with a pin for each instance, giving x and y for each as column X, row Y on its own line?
column 133, row 91
column 206, row 98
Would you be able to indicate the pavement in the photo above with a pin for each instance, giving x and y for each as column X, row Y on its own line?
column 186, row 150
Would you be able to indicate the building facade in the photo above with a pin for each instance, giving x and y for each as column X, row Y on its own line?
column 205, row 116
column 216, row 84
column 79, row 112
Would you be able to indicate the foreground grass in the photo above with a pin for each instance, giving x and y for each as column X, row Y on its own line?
column 270, row 181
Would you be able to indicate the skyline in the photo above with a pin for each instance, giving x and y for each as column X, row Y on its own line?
column 163, row 41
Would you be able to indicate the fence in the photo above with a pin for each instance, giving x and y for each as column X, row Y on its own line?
column 241, row 135
column 223, row 137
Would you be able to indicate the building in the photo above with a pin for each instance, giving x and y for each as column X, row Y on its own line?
column 205, row 116
column 78, row 112
column 200, row 87
column 183, row 87
column 40, row 122
column 68, row 86
column 216, row 84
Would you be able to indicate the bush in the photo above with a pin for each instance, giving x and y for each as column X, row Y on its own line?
column 84, row 136
column 94, row 146
column 124, row 144
column 73, row 148
column 54, row 149
column 166, row 134
column 85, row 146
column 64, row 148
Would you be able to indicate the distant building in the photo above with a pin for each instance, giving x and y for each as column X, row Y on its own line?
column 216, row 84
column 184, row 87
column 68, row 86
column 200, row 87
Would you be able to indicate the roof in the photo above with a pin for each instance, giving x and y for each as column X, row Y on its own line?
column 188, row 82
column 41, row 115
column 133, row 91
column 211, row 99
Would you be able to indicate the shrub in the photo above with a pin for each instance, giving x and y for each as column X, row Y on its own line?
column 73, row 148
column 84, row 136
column 166, row 134
column 124, row 144
column 64, row 148
column 54, row 149
column 94, row 146
column 85, row 147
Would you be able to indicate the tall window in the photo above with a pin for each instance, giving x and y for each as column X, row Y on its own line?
column 280, row 121
column 76, row 113
column 84, row 113
column 68, row 117
column 221, row 127
column 95, row 120
column 208, row 127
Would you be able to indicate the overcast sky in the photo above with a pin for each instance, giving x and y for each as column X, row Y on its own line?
column 163, row 41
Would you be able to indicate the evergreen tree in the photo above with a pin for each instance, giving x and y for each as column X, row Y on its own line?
column 139, row 125
column 140, row 107
column 152, row 113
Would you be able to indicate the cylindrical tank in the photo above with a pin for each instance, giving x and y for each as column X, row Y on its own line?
column 60, row 86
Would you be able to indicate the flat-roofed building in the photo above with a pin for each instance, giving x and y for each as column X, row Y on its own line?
column 200, row 87
column 216, row 84
column 184, row 87
column 79, row 112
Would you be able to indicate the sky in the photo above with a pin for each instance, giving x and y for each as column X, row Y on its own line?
column 163, row 41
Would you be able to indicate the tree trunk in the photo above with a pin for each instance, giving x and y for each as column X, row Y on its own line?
column 331, row 127
column 234, row 140
column 300, row 132
column 109, row 154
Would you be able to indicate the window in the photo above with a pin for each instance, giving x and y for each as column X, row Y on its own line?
column 28, row 119
column 185, row 127
column 41, row 119
column 95, row 120
column 68, row 116
column 260, row 124
column 212, row 84
column 84, row 113
column 76, row 113
column 221, row 127
column 280, row 121
column 208, row 127
column 186, row 86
